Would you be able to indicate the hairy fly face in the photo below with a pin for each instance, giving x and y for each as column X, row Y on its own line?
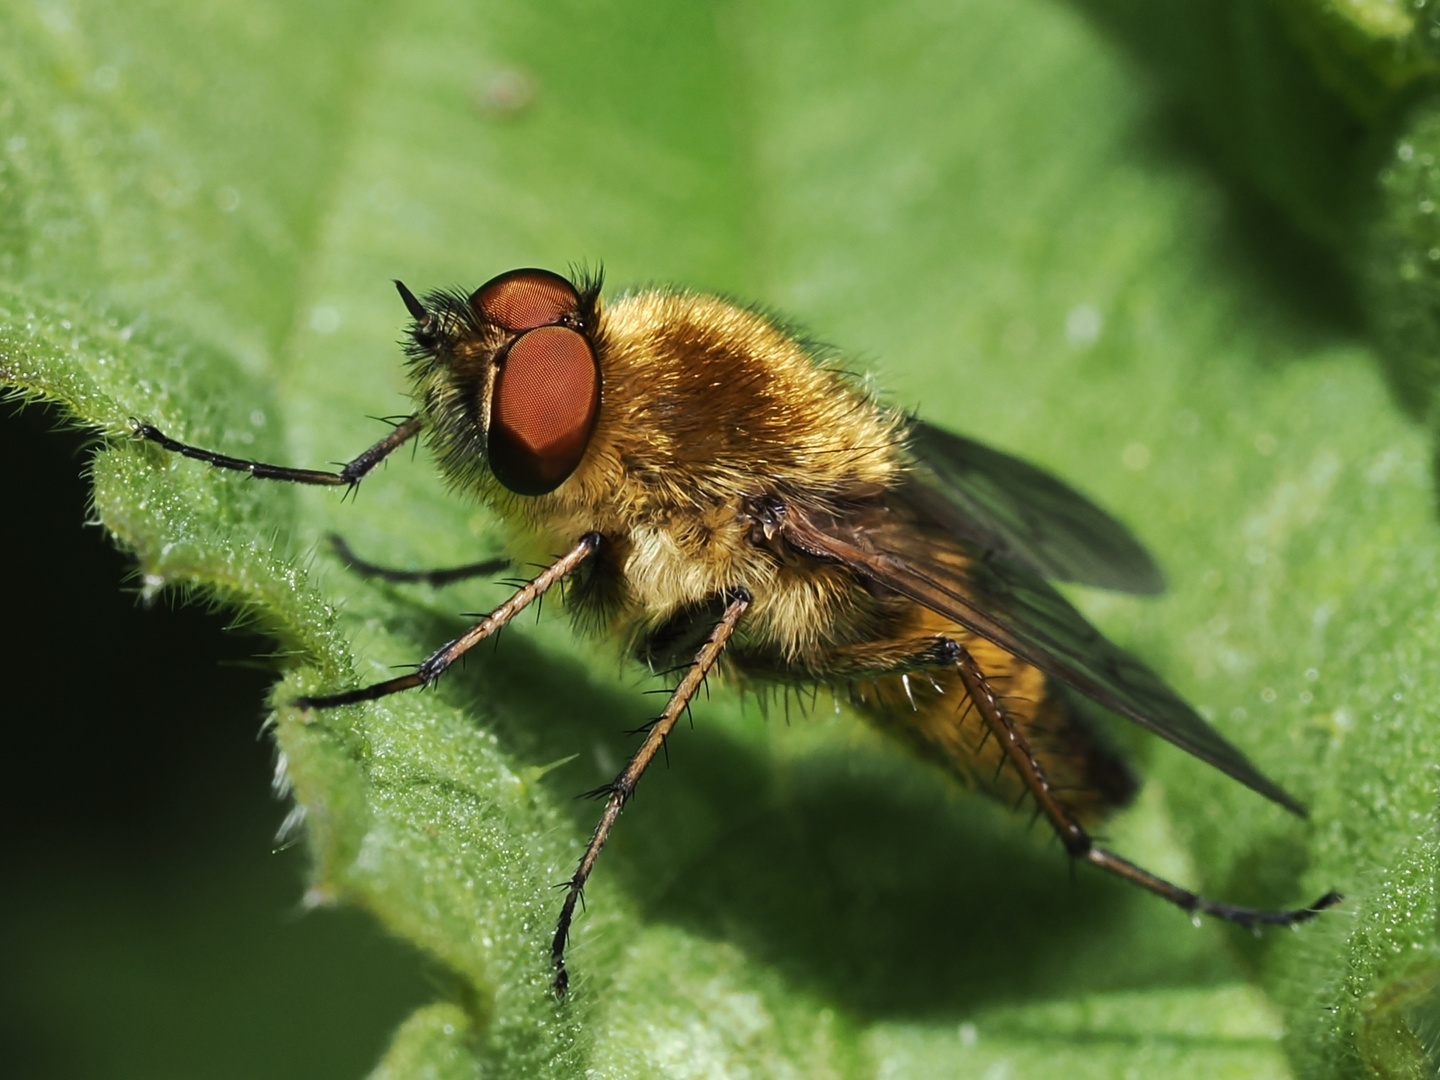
column 509, row 377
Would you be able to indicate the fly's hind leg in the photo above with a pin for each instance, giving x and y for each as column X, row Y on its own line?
column 618, row 792
column 1011, row 738
column 994, row 721
column 909, row 686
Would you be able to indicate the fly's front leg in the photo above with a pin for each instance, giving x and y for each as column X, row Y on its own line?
column 1077, row 841
column 433, row 667
column 428, row 577
column 618, row 792
column 348, row 476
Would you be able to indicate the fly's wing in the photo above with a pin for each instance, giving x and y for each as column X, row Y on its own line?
column 1021, row 513
column 1017, row 610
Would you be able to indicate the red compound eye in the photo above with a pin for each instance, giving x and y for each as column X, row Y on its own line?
column 547, row 396
column 525, row 299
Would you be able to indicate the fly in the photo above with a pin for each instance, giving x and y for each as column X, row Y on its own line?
column 726, row 501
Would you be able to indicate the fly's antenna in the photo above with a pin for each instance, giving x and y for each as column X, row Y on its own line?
column 412, row 305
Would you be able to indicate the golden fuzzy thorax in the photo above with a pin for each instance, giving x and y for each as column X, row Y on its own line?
column 704, row 404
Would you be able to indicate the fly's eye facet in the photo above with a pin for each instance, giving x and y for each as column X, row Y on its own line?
column 547, row 398
column 525, row 299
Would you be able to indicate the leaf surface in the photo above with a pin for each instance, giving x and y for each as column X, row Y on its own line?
column 989, row 205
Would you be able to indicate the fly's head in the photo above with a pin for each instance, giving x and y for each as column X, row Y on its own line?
column 508, row 378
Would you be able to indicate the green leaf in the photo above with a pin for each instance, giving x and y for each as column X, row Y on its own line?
column 200, row 211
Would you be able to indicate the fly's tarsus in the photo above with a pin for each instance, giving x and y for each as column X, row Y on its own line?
column 348, row 476
column 1193, row 903
column 364, row 693
column 445, row 576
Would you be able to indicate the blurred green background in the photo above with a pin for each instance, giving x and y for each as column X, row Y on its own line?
column 1185, row 254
